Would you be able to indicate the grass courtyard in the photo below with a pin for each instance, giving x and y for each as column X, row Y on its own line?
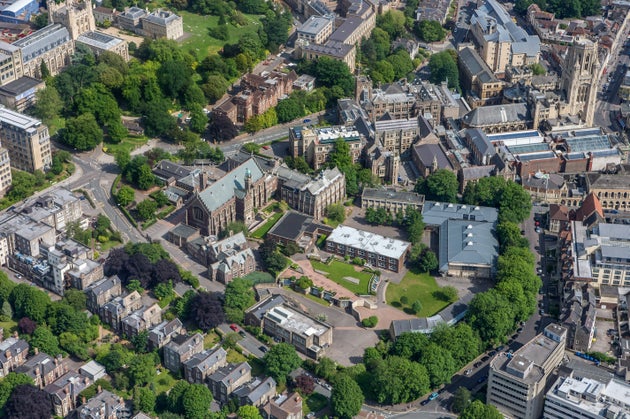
column 338, row 271
column 203, row 44
column 416, row 286
column 129, row 144
column 261, row 231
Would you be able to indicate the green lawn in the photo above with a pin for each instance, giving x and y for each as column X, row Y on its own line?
column 129, row 144
column 8, row 327
column 258, row 277
column 163, row 382
column 338, row 270
column 203, row 44
column 234, row 357
column 314, row 403
column 416, row 286
column 210, row 340
column 262, row 230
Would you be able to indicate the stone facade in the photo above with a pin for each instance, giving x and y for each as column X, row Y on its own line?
column 316, row 144
column 580, row 78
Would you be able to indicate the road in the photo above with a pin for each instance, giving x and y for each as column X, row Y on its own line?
column 248, row 343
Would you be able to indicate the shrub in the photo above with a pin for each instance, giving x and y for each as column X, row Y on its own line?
column 370, row 322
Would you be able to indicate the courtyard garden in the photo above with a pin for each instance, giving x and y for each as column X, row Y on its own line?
column 345, row 275
column 416, row 286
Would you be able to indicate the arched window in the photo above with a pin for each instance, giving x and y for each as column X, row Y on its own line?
column 197, row 213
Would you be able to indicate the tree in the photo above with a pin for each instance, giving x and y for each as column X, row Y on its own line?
column 48, row 105
column 27, row 326
column 399, row 380
column 207, row 310
column 29, row 302
column 75, row 298
column 196, row 401
column 346, row 398
column 370, row 322
column 447, row 293
column 44, row 340
column 429, row 30
column 509, row 234
column 145, row 177
column 305, row 384
column 248, row 412
column 416, row 306
column 221, row 128
column 198, row 119
column 441, row 185
column 491, row 314
column 176, row 395
column 280, row 360
column 289, row 109
column 82, row 132
column 538, row 69
column 336, row 212
column 27, row 401
column 140, row 342
column 461, row 341
column 423, row 258
column 125, row 196
column 443, row 66
column 392, row 22
column 142, row 369
column 331, row 73
column 239, row 295
column 143, row 400
column 439, row 364
column 146, row 209
column 461, row 400
column 326, row 368
column 478, row 410
column 215, row 87
column 116, row 131
column 10, row 382
column 74, row 345
column 409, row 345
column 156, row 118
column 114, row 360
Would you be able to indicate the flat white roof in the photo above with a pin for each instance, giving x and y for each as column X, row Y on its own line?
column 370, row 242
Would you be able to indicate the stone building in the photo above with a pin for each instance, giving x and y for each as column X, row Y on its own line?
column 316, row 144
column 392, row 200
column 52, row 45
column 331, row 49
column 231, row 198
column 397, row 135
column 580, row 78
column 5, row 171
column 311, row 196
column 26, row 139
column 316, row 29
column 198, row 367
column 499, row 118
column 20, row 93
column 75, row 15
column 100, row 42
column 162, row 24
column 481, row 86
column 226, row 379
column 613, row 191
column 181, row 349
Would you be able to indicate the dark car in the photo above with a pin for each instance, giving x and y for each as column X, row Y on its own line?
column 425, row 402
column 242, row 333
column 263, row 349
column 482, row 379
column 493, row 353
column 485, row 358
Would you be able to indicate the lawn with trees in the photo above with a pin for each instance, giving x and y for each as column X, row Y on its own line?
column 416, row 286
column 337, row 271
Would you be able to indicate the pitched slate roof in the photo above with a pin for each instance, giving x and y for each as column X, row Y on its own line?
column 497, row 114
column 225, row 188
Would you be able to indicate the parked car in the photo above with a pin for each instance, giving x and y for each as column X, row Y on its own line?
column 433, row 396
column 263, row 349
column 482, row 379
column 234, row 327
column 425, row 402
column 242, row 333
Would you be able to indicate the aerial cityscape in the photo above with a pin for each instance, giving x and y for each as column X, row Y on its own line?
column 262, row 209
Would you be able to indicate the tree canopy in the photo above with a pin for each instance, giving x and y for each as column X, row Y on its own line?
column 280, row 360
column 346, row 398
column 441, row 185
column 443, row 66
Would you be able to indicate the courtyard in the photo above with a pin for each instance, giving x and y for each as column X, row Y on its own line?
column 416, row 286
column 348, row 276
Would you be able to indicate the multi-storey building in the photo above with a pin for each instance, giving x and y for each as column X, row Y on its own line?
column 20, row 94
column 13, row 353
column 225, row 380
column 578, row 315
column 26, row 139
column 397, row 135
column 200, row 366
column 118, row 308
column 164, row 332
column 380, row 252
column 43, row 369
column 64, row 392
column 257, row 392
column 613, row 191
column 516, row 384
column 284, row 407
column 57, row 208
column 141, row 320
column 587, row 398
column 99, row 293
column 500, row 41
column 162, row 24
column 311, row 196
column 100, row 42
column 392, row 200
column 600, row 254
column 383, row 163
column 580, row 78
column 332, row 49
column 306, row 334
column 316, row 144
column 316, row 29
column 480, row 84
column 104, row 405
column 5, row 171
column 52, row 45
column 181, row 349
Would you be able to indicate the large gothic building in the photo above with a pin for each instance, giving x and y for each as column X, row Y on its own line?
column 580, row 77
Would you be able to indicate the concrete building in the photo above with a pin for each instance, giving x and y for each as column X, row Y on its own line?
column 19, row 94
column 26, row 139
column 467, row 245
column 162, row 24
column 499, row 40
column 587, row 398
column 181, row 349
column 392, row 200
column 599, row 255
column 306, row 334
column 316, row 144
column 200, row 366
column 100, row 42
column 378, row 251
column 316, row 29
column 516, row 384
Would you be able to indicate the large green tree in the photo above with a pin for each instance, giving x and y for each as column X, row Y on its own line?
column 346, row 398
column 29, row 302
column 399, row 380
column 429, row 30
column 239, row 295
column 44, row 340
column 479, row 410
column 82, row 132
column 443, row 66
column 280, row 360
column 441, row 185
column 196, row 401
column 492, row 315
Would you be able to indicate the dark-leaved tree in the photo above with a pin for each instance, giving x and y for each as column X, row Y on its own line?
column 207, row 310
column 28, row 402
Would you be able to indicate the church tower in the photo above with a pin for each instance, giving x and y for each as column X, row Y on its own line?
column 580, row 77
column 75, row 15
